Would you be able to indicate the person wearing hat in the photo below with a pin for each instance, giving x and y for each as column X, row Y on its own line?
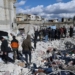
column 4, row 49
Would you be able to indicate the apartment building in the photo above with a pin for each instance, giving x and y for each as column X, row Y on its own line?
column 66, row 19
column 53, row 20
column 28, row 17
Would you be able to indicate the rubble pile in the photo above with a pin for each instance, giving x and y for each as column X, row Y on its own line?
column 17, row 68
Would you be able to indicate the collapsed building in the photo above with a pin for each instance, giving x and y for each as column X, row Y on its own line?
column 7, row 16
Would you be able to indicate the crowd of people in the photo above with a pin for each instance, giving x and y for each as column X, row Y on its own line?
column 26, row 49
column 44, row 35
column 51, row 34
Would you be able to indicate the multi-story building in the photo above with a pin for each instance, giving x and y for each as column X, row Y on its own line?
column 7, row 14
column 67, row 19
column 38, row 18
column 28, row 17
column 53, row 20
column 20, row 17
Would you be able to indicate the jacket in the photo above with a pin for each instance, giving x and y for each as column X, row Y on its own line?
column 4, row 46
column 26, row 45
column 14, row 43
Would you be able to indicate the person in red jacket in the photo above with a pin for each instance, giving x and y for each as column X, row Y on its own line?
column 15, row 46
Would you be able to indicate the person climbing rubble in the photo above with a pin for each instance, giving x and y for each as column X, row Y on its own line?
column 27, row 48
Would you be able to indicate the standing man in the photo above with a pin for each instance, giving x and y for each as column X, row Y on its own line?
column 35, row 38
column 4, row 49
column 14, row 46
column 64, row 31
column 71, row 31
column 26, row 45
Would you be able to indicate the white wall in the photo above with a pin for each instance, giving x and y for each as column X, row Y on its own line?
column 6, row 14
column 33, row 17
column 2, row 12
column 40, row 18
column 55, row 20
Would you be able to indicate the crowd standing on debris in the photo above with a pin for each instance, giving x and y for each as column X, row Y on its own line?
column 44, row 35
column 51, row 34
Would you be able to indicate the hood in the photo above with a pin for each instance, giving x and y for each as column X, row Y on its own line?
column 28, row 37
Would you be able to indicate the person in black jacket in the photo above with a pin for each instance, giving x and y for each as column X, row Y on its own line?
column 65, row 31
column 71, row 31
column 4, row 49
column 35, row 38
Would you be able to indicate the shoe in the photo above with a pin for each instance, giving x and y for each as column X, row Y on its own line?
column 30, row 63
column 5, row 62
column 26, row 65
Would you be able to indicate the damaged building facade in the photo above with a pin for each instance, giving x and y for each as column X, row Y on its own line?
column 7, row 15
